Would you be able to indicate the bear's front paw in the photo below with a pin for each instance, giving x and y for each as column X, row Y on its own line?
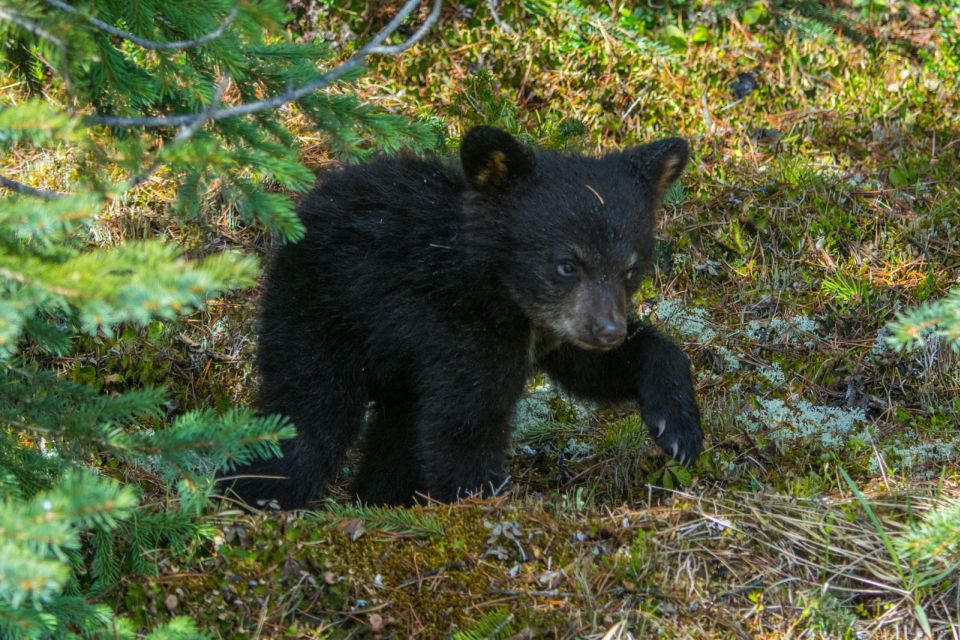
column 671, row 414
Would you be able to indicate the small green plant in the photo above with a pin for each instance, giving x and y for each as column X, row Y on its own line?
column 671, row 476
column 933, row 544
column 847, row 290
column 638, row 559
column 496, row 625
column 403, row 521
column 826, row 616
column 675, row 195
column 870, row 7
column 756, row 13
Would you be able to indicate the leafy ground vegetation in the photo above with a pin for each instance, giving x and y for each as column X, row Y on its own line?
column 823, row 200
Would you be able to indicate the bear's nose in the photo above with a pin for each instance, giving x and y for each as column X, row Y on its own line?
column 609, row 333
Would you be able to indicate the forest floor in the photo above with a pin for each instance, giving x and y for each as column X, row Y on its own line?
column 822, row 198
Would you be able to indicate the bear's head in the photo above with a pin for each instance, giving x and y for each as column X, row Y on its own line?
column 568, row 235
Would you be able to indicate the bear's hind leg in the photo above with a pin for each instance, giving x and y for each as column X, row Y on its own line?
column 389, row 471
column 325, row 399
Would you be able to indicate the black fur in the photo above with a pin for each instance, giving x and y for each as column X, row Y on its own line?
column 435, row 291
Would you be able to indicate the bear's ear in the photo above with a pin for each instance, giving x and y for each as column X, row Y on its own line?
column 493, row 159
column 660, row 163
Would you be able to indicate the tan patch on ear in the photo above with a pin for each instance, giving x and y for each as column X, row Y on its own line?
column 667, row 175
column 494, row 169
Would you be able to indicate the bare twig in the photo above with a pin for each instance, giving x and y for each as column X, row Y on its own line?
column 186, row 132
column 507, row 29
column 375, row 46
column 23, row 189
column 143, row 42
column 542, row 594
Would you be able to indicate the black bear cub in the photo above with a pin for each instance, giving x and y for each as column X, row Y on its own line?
column 424, row 296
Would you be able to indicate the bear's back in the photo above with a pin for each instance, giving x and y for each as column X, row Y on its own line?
column 384, row 261
column 387, row 200
column 370, row 227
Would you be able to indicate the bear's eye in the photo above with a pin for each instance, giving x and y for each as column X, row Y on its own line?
column 567, row 269
column 630, row 272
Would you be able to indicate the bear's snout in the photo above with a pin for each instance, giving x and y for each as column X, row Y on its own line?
column 609, row 333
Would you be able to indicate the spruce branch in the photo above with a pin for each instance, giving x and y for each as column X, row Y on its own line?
column 31, row 27
column 374, row 47
column 934, row 543
column 186, row 132
column 402, row 521
column 40, row 32
column 143, row 42
column 936, row 319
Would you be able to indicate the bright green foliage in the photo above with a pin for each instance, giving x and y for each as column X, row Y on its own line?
column 950, row 30
column 242, row 158
column 493, row 626
column 40, row 539
column 180, row 628
column 404, row 521
column 41, row 530
column 134, row 282
column 935, row 319
column 935, row 544
column 71, row 525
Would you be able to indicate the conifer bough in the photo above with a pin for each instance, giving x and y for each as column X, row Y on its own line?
column 143, row 42
column 187, row 91
column 190, row 123
column 374, row 47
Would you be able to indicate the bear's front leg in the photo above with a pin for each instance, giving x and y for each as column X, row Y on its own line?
column 648, row 368
column 463, row 426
